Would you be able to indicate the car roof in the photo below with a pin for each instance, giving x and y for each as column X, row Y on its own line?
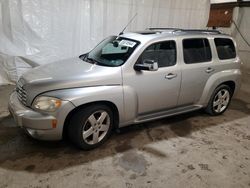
column 159, row 33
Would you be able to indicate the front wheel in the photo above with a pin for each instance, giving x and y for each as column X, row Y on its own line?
column 220, row 100
column 91, row 126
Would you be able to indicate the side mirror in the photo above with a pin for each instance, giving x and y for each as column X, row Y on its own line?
column 147, row 65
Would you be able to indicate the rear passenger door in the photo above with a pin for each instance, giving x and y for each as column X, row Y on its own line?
column 197, row 67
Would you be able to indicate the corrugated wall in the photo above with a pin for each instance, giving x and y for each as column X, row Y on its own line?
column 46, row 31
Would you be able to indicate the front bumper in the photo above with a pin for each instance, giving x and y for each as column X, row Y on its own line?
column 36, row 124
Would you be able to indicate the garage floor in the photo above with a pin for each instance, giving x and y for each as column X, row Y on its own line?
column 191, row 150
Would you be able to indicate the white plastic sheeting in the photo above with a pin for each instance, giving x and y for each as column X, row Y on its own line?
column 243, row 23
column 241, row 18
column 44, row 31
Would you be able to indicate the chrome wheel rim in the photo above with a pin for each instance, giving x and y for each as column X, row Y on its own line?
column 96, row 127
column 221, row 100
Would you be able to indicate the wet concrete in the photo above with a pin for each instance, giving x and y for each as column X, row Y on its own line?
column 190, row 150
column 133, row 161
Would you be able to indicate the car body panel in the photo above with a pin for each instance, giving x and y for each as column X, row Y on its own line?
column 70, row 73
column 86, row 95
column 159, row 93
column 37, row 124
column 217, row 79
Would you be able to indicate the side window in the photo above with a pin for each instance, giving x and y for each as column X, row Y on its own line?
column 196, row 50
column 225, row 48
column 164, row 53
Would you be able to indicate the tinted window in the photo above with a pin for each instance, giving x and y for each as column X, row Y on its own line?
column 164, row 53
column 225, row 48
column 196, row 51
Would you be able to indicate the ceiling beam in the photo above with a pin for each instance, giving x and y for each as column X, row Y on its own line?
column 239, row 3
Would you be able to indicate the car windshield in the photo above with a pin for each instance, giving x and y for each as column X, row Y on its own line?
column 113, row 51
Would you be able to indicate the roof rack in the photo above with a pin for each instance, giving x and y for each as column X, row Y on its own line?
column 187, row 30
column 199, row 30
column 161, row 28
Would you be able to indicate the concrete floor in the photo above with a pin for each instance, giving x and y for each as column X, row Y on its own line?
column 191, row 150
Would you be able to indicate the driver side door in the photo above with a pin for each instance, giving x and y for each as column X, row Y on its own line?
column 156, row 90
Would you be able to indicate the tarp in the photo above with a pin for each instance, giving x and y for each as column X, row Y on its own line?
column 44, row 31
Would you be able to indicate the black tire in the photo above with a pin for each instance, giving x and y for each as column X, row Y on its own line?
column 80, row 120
column 210, row 109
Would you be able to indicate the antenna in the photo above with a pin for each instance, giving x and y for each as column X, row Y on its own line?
column 128, row 24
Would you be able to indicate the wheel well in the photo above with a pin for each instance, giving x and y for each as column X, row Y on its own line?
column 107, row 103
column 230, row 84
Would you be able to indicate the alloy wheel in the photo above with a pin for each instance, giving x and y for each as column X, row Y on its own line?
column 221, row 100
column 96, row 127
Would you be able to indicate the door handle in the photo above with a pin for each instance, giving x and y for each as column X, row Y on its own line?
column 170, row 76
column 209, row 70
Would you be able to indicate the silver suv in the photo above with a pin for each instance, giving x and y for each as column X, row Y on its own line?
column 127, row 79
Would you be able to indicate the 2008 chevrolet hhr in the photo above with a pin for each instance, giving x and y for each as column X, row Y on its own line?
column 126, row 79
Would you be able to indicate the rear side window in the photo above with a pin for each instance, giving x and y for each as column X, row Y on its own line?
column 225, row 48
column 163, row 52
column 196, row 50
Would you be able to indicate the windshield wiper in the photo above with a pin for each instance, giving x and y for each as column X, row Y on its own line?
column 93, row 60
column 85, row 57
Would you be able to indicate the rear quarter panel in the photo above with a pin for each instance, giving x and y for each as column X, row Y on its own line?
column 233, row 74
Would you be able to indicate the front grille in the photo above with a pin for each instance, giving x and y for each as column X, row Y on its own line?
column 21, row 93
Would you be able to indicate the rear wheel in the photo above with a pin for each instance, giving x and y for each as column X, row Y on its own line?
column 91, row 126
column 220, row 100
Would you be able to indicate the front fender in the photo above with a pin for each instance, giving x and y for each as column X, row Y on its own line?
column 81, row 96
column 217, row 79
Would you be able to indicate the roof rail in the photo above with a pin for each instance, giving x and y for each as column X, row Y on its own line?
column 186, row 30
column 161, row 28
column 198, row 30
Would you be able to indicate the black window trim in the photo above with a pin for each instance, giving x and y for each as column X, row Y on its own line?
column 176, row 51
column 202, row 38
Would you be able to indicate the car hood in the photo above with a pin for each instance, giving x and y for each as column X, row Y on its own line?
column 68, row 73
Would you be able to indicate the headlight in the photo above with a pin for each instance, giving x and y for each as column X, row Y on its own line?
column 49, row 104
